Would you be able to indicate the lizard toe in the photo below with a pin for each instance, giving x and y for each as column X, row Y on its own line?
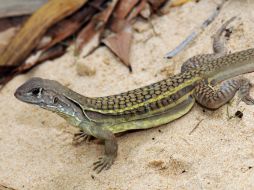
column 104, row 163
column 81, row 137
column 248, row 100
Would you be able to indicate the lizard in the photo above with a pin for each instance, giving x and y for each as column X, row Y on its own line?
column 149, row 106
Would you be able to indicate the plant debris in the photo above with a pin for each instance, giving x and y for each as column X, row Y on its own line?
column 60, row 23
column 196, row 32
column 239, row 114
column 27, row 38
column 120, row 44
column 95, row 26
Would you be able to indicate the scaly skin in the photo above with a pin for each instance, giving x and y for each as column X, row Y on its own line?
column 149, row 106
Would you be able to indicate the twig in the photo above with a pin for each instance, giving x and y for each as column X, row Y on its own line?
column 3, row 187
column 196, row 126
column 195, row 33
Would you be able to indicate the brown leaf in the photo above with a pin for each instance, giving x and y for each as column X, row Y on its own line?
column 120, row 44
column 124, row 8
column 117, row 25
column 85, row 36
column 69, row 26
column 156, row 4
column 52, row 53
column 94, row 27
column 33, row 30
column 33, row 60
column 1, row 48
column 134, row 13
column 44, row 55
column 7, row 23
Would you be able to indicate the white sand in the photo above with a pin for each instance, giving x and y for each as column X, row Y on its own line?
column 36, row 145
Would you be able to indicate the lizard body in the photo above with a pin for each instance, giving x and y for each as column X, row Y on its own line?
column 148, row 106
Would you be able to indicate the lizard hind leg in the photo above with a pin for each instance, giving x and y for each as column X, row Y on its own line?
column 219, row 50
column 244, row 92
column 213, row 99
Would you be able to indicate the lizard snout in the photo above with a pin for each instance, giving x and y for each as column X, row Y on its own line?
column 17, row 94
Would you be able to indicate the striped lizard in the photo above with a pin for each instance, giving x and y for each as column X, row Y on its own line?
column 150, row 106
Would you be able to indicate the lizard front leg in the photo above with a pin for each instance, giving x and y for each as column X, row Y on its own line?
column 109, row 139
column 111, row 147
column 213, row 99
column 110, row 154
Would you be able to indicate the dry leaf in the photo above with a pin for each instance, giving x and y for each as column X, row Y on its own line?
column 124, row 8
column 156, row 4
column 117, row 25
column 32, row 61
column 31, row 33
column 94, row 27
column 69, row 26
column 52, row 53
column 13, row 22
column 134, row 13
column 120, row 45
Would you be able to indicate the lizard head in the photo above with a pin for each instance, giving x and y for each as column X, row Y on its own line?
column 47, row 94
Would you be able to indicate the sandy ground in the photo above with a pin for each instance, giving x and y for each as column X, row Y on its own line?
column 36, row 145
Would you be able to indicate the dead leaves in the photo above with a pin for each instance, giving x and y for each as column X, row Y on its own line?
column 33, row 30
column 95, row 27
column 120, row 44
column 60, row 23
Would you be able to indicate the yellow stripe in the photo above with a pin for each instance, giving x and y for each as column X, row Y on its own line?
column 166, row 94
column 114, row 119
column 155, row 121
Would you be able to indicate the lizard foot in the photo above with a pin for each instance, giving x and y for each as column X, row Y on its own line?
column 244, row 92
column 248, row 100
column 81, row 137
column 104, row 162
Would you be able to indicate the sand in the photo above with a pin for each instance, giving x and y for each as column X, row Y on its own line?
column 36, row 145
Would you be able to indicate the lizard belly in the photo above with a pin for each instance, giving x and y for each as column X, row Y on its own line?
column 154, row 121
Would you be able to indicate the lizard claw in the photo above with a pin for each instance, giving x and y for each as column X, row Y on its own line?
column 244, row 92
column 81, row 137
column 248, row 100
column 104, row 162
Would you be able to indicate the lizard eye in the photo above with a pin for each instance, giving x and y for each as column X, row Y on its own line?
column 55, row 100
column 36, row 91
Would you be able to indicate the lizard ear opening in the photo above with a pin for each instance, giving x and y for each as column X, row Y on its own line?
column 55, row 100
